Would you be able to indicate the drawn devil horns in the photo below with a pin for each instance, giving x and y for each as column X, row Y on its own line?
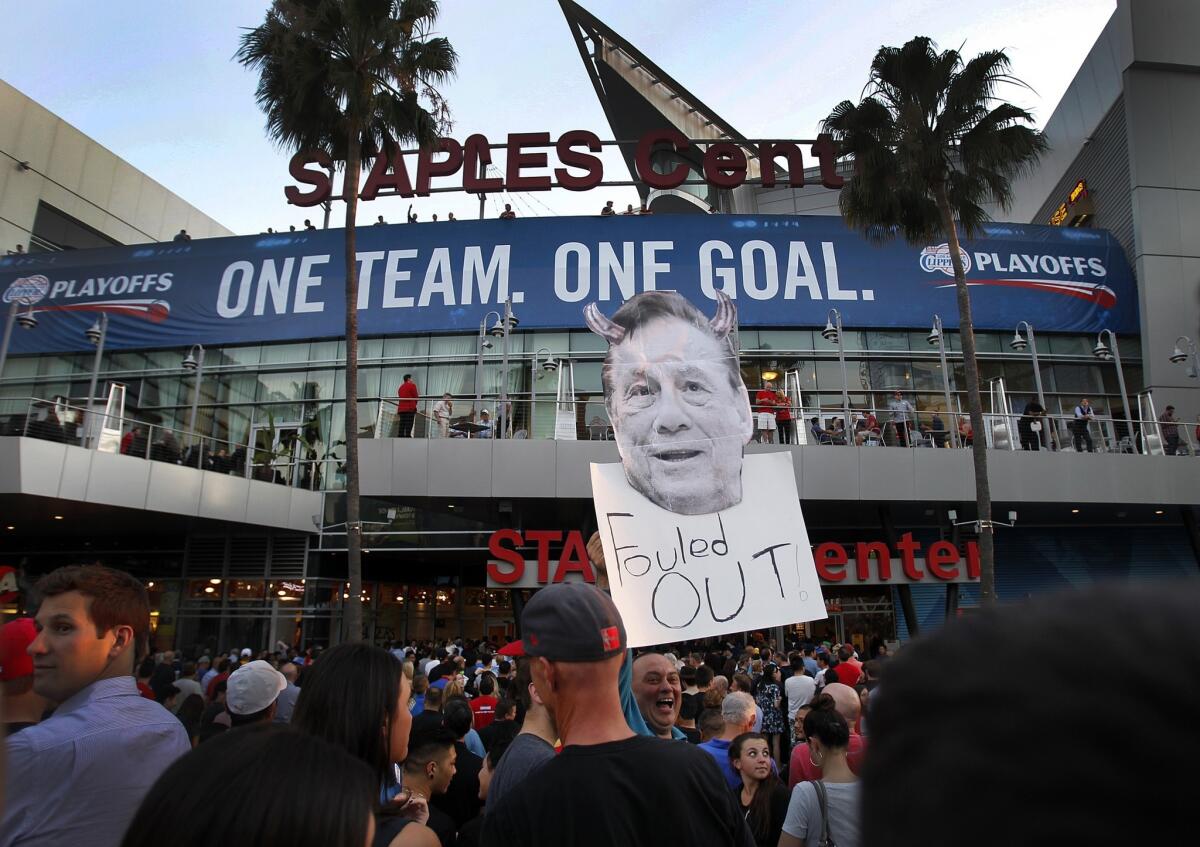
column 722, row 322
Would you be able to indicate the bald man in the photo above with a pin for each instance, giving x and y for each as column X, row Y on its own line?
column 608, row 784
column 659, row 694
column 849, row 706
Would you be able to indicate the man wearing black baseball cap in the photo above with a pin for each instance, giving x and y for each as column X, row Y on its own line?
column 608, row 782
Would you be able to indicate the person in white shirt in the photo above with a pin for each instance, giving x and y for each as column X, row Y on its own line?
column 442, row 410
column 902, row 416
column 485, row 421
column 798, row 688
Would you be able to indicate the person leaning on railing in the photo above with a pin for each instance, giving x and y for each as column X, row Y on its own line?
column 1084, row 414
column 783, row 419
column 1170, row 431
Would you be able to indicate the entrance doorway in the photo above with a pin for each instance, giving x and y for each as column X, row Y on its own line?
column 277, row 452
column 831, row 629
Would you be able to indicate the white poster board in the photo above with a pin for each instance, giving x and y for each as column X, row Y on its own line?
column 676, row 576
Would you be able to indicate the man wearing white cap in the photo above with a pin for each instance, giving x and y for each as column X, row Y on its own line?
column 251, row 693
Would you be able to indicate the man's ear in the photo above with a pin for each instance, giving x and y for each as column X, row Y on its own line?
column 124, row 639
column 549, row 672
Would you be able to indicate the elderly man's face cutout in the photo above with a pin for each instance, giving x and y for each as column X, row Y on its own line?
column 681, row 415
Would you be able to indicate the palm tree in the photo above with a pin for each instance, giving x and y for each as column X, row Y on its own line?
column 354, row 78
column 932, row 144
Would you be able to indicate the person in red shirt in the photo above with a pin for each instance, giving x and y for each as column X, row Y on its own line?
column 484, row 706
column 210, row 692
column 407, row 405
column 849, row 668
column 765, row 402
column 783, row 419
column 849, row 706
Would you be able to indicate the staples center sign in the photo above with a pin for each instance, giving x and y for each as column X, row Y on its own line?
column 725, row 164
column 862, row 563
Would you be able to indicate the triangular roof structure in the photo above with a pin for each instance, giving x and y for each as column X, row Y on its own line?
column 636, row 94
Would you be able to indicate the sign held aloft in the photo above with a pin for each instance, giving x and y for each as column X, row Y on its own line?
column 677, row 576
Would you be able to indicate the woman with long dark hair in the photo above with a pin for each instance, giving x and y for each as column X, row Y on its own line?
column 769, row 699
column 215, row 795
column 762, row 797
column 832, row 803
column 356, row 696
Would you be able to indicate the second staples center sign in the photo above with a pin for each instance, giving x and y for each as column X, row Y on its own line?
column 859, row 563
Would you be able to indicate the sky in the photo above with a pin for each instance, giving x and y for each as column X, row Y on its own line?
column 157, row 84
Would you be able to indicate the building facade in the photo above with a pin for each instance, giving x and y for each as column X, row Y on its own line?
column 242, row 538
column 60, row 190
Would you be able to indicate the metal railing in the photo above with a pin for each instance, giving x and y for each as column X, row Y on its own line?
column 263, row 455
column 298, row 455
column 1004, row 431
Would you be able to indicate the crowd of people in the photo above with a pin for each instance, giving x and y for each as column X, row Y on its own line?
column 568, row 737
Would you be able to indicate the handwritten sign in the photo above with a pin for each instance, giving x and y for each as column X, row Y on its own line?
column 677, row 576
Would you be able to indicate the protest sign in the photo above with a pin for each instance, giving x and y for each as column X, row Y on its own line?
column 676, row 576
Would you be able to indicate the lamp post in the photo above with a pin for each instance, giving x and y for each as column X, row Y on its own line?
column 27, row 321
column 833, row 332
column 549, row 366
column 1178, row 357
column 194, row 361
column 501, row 329
column 510, row 323
column 96, row 334
column 1100, row 351
column 481, row 345
column 1019, row 344
column 937, row 338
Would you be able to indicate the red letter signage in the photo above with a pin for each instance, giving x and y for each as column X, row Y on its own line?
column 573, row 158
column 322, row 181
column 830, row 559
column 641, row 159
column 518, row 159
column 505, row 554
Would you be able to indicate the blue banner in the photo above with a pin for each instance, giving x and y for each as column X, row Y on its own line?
column 782, row 271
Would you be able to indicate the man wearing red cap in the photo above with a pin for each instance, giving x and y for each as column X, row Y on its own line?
column 22, row 705
column 608, row 783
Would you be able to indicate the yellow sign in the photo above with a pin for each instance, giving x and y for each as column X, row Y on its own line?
column 1078, row 191
column 1060, row 215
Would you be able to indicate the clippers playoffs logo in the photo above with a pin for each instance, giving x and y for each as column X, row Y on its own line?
column 938, row 259
column 27, row 290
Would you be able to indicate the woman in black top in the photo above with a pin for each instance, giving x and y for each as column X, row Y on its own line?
column 762, row 797
column 373, row 725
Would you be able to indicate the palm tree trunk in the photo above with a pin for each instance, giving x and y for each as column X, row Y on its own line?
column 353, row 614
column 983, row 490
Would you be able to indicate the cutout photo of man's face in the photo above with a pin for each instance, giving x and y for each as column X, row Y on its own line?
column 681, row 415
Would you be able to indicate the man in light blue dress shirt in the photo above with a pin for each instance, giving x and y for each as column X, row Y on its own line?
column 78, row 777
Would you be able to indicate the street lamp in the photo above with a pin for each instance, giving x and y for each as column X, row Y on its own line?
column 27, row 321
column 501, row 329
column 937, row 338
column 481, row 345
column 549, row 366
column 194, row 361
column 1178, row 357
column 1106, row 354
column 96, row 334
column 1019, row 344
column 833, row 332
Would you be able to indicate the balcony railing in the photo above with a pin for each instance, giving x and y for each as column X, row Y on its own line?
column 300, row 455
